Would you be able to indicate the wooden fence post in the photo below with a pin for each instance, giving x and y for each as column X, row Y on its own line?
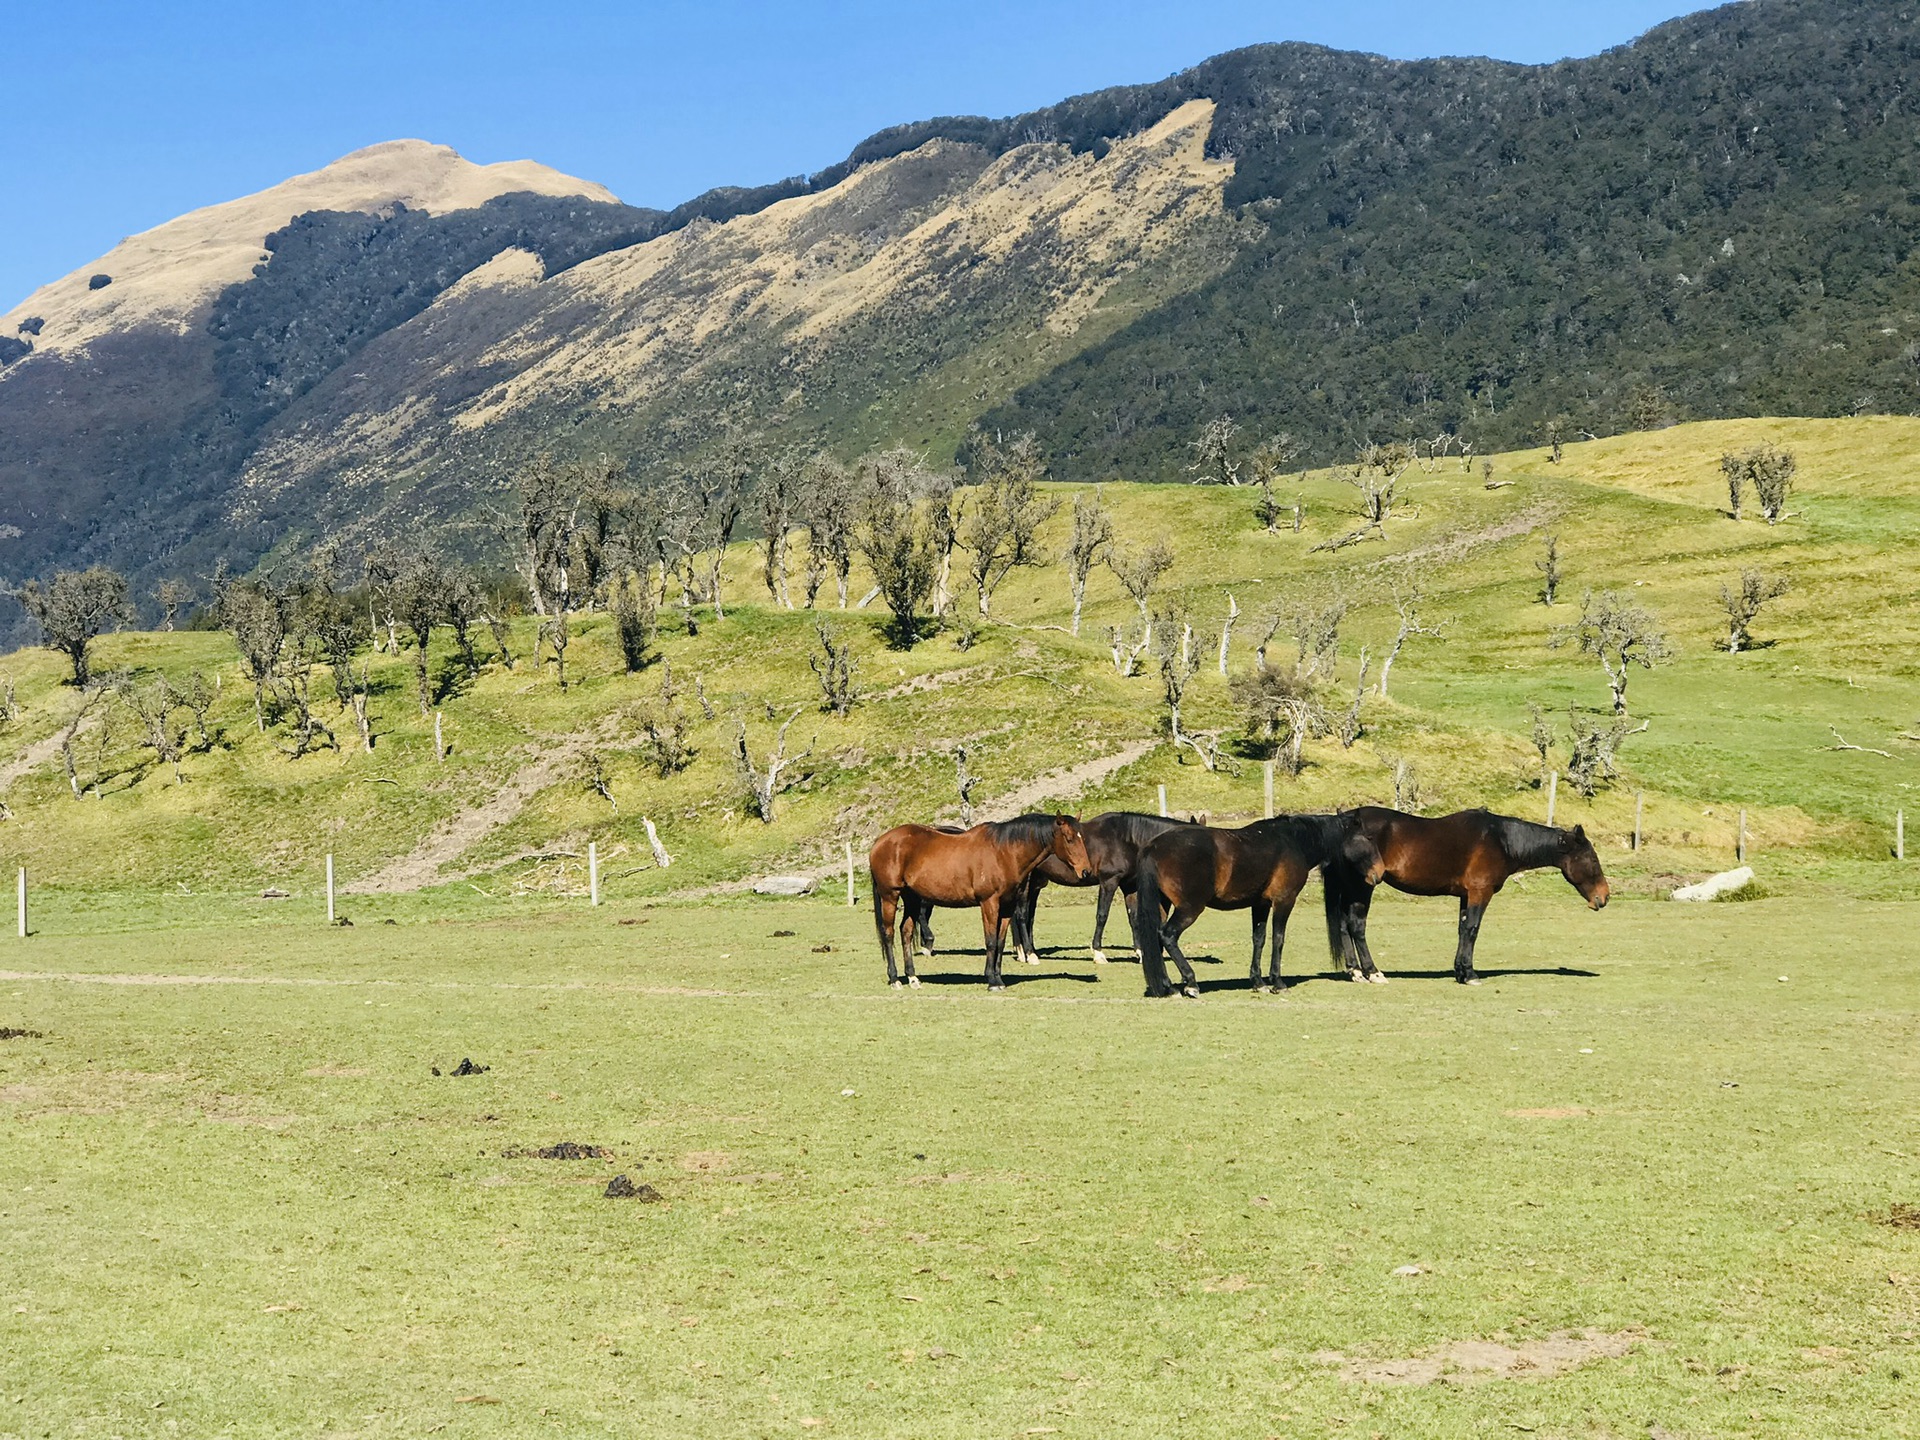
column 1740, row 845
column 1899, row 834
column 439, row 744
column 23, row 902
column 593, row 873
column 1163, row 801
column 329, row 889
column 1553, row 793
column 1269, row 789
column 849, row 874
column 1639, row 812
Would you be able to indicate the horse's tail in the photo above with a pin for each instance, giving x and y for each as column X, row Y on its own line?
column 1146, row 918
column 1334, row 895
column 879, row 914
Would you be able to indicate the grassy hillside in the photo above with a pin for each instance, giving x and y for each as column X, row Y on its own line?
column 1639, row 512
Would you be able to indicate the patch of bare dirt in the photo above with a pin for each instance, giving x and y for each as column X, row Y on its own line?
column 1900, row 1217
column 1065, row 783
column 706, row 1162
column 335, row 1072
column 1473, row 1362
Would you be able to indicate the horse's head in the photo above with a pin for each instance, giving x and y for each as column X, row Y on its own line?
column 1070, row 847
column 1354, row 850
column 1581, row 865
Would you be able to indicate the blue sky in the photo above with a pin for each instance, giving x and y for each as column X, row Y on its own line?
column 120, row 115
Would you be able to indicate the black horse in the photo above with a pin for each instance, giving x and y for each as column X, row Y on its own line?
column 1469, row 855
column 1261, row 867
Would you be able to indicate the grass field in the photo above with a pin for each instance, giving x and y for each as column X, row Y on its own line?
column 1641, row 1174
column 236, row 1200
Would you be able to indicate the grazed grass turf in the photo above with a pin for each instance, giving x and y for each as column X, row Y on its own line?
column 246, row 1207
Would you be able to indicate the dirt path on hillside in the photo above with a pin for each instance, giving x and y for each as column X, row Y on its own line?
column 461, row 831
column 38, row 754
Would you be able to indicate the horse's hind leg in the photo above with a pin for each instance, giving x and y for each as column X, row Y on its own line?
column 1471, row 914
column 1024, row 905
column 1259, row 943
column 886, row 905
column 909, row 934
column 1177, row 924
column 923, row 922
column 991, row 929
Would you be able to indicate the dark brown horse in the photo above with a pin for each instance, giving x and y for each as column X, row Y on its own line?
column 916, row 865
column 1114, row 842
column 1469, row 855
column 1260, row 867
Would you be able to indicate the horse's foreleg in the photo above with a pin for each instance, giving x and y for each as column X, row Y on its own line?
column 1100, row 908
column 923, row 921
column 1282, row 912
column 886, row 905
column 990, row 929
column 1024, row 905
column 1471, row 914
column 1259, row 942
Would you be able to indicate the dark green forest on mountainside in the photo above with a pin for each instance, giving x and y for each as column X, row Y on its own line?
column 1717, row 220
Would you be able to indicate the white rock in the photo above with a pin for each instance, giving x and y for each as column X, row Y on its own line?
column 1411, row 1270
column 1715, row 886
column 784, row 885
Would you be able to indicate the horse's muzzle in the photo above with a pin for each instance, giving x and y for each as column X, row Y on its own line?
column 1598, row 900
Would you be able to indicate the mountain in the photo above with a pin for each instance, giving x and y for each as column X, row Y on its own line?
column 1719, row 219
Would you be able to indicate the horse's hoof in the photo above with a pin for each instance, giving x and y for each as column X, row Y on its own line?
column 1032, row 957
column 897, row 984
column 1099, row 957
column 1192, row 992
column 1471, row 980
column 925, row 954
column 1376, row 978
column 914, row 981
column 1358, row 977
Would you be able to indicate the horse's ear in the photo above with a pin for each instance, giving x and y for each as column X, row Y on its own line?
column 1580, row 833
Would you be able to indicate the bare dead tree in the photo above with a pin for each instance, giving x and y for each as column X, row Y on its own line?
column 1213, row 462
column 1348, row 727
column 1139, row 571
column 163, row 723
column 1542, row 737
column 635, row 619
column 723, row 487
column 1006, row 510
column 1281, row 711
column 256, row 613
column 1743, row 605
column 763, row 783
column 1549, row 569
column 98, row 702
column 665, row 742
column 965, row 783
column 781, row 499
column 1267, row 463
column 1089, row 542
column 1376, row 474
column 1406, row 783
column 1313, row 624
column 174, row 596
column 1407, row 603
column 305, row 647
column 836, row 668
column 1594, row 747
column 830, row 509
column 1226, row 630
column 1620, row 635
column 597, row 776
column 1179, row 657
column 462, row 604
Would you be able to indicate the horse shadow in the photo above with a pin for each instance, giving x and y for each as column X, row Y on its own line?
column 1012, row 979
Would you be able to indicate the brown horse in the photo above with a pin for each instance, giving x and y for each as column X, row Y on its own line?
column 1260, row 867
column 1114, row 842
column 1469, row 855
column 914, row 866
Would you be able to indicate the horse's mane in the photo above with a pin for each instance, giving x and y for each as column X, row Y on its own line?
column 1528, row 841
column 1023, row 828
column 1136, row 827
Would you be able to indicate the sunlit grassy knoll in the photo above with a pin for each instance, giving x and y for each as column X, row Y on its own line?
column 1638, row 513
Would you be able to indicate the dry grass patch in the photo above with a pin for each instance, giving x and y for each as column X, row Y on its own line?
column 1472, row 1362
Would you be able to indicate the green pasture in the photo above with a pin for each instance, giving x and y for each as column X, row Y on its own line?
column 235, row 1200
